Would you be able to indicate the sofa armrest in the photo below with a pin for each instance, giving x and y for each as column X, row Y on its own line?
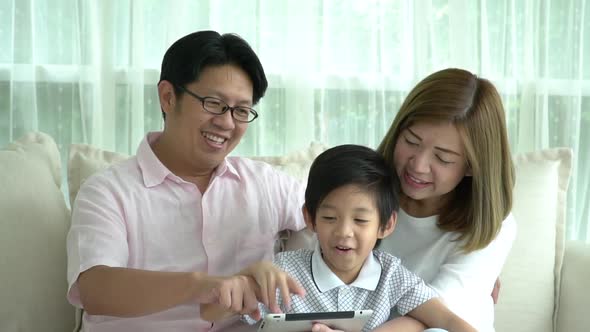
column 574, row 299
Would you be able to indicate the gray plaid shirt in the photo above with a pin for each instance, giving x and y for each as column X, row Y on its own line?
column 383, row 284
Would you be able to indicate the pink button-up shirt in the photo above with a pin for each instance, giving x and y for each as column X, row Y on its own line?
column 137, row 214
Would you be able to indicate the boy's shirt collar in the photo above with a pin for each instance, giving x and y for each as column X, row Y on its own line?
column 326, row 280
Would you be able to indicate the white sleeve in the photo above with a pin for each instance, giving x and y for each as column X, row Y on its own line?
column 465, row 281
column 478, row 270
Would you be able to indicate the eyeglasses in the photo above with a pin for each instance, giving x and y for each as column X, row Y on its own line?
column 217, row 106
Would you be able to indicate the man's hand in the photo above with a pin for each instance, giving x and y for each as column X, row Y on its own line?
column 496, row 290
column 269, row 278
column 236, row 294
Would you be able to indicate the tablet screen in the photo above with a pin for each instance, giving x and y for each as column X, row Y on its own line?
column 350, row 321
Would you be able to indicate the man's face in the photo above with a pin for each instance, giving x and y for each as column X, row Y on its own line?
column 205, row 139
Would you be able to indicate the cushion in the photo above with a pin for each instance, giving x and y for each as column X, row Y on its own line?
column 35, row 221
column 86, row 160
column 573, row 300
column 531, row 276
column 297, row 163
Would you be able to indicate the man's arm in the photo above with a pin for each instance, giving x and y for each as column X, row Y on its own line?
column 124, row 292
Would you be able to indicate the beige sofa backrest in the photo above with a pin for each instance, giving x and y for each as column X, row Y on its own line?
column 35, row 220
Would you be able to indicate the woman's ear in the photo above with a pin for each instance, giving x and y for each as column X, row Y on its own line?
column 389, row 227
column 307, row 217
column 468, row 171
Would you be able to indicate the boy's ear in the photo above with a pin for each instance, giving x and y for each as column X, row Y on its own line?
column 389, row 227
column 307, row 218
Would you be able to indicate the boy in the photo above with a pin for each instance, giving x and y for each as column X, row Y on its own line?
column 350, row 203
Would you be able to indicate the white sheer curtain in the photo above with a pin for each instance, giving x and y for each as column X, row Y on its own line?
column 86, row 70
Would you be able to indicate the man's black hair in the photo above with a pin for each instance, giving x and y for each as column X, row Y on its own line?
column 185, row 60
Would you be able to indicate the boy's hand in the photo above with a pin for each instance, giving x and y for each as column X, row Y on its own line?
column 269, row 278
column 317, row 327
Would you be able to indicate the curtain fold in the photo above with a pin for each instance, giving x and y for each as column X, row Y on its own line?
column 86, row 71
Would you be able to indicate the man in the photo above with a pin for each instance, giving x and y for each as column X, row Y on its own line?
column 172, row 227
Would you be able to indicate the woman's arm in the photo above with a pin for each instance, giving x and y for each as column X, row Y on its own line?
column 496, row 290
column 399, row 324
column 434, row 313
column 403, row 323
column 463, row 276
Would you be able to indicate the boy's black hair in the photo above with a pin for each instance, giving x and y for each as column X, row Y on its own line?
column 353, row 165
column 187, row 57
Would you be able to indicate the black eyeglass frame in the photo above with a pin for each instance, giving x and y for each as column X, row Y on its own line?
column 223, row 109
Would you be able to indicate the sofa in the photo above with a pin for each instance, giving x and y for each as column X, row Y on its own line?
column 544, row 282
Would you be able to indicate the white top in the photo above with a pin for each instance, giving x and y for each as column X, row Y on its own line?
column 383, row 284
column 464, row 281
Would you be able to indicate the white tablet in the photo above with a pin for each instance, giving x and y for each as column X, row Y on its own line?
column 349, row 321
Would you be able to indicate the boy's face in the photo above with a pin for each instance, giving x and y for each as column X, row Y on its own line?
column 347, row 226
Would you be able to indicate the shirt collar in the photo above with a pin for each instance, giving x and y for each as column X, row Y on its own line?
column 152, row 169
column 154, row 172
column 226, row 168
column 326, row 280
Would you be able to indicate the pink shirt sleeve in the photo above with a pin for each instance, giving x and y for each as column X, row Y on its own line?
column 290, row 198
column 97, row 236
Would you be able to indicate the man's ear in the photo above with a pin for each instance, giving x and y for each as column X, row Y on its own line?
column 167, row 96
column 307, row 218
column 389, row 227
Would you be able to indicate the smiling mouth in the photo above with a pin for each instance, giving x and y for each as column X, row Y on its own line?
column 343, row 249
column 214, row 138
column 415, row 180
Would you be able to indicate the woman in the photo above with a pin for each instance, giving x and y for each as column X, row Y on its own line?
column 449, row 146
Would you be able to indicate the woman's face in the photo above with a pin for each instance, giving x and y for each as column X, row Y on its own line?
column 430, row 161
